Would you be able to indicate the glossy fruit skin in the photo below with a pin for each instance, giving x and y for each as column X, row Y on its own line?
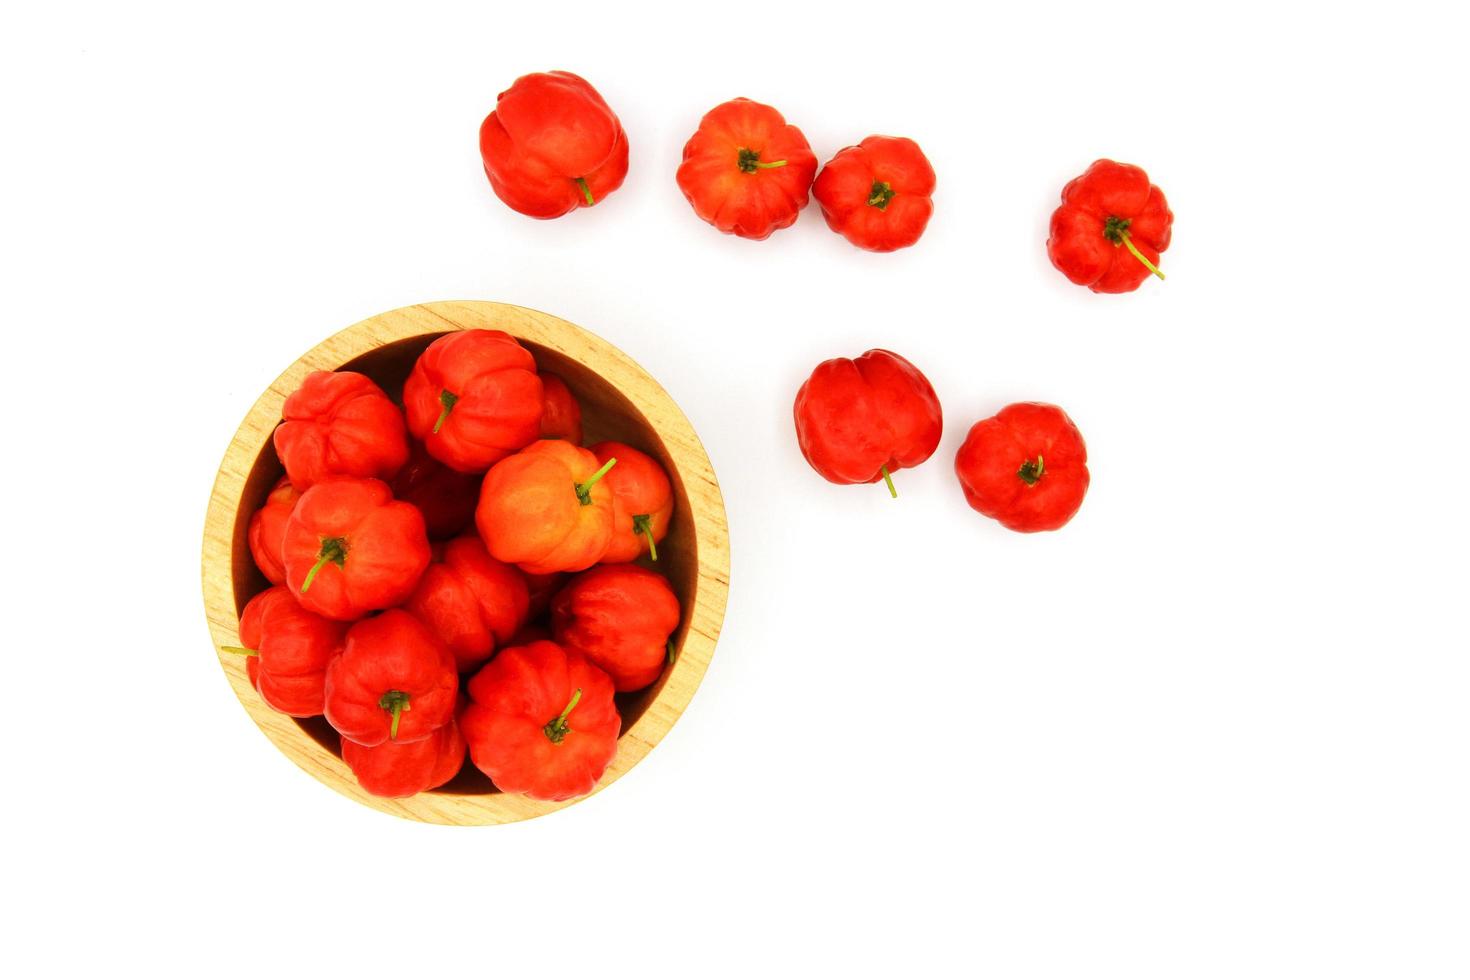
column 515, row 697
column 267, row 531
column 620, row 617
column 398, row 769
column 339, row 423
column 530, row 514
column 642, row 496
column 1080, row 244
column 561, row 416
column 878, row 194
column 989, row 465
column 444, row 496
column 292, row 649
column 386, row 548
column 854, row 417
column 495, row 392
column 392, row 652
column 472, row 602
column 548, row 130
column 745, row 198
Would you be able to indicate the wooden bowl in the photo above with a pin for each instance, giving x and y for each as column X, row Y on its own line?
column 619, row 401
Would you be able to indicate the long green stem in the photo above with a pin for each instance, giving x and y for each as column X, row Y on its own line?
column 240, row 651
column 889, row 480
column 586, row 191
column 749, row 161
column 557, row 728
column 584, row 490
column 396, row 702
column 311, row 575
column 643, row 524
column 447, row 399
column 1139, row 256
column 333, row 550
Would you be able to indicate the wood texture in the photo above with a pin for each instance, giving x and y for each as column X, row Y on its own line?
column 619, row 401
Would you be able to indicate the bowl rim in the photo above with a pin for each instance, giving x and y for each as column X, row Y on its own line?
column 704, row 616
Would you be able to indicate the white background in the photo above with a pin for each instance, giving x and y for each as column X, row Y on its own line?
column 1215, row 727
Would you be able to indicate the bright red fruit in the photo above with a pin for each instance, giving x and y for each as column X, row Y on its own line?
column 339, row 423
column 267, row 530
column 397, row 769
column 620, row 617
column 1110, row 229
column 857, row 421
column 746, row 171
column 541, row 721
column 643, row 501
column 552, row 145
column 351, row 548
column 471, row 601
column 289, row 649
column 877, row 194
column 547, row 508
column 473, row 398
column 394, row 681
column 561, row 416
column 1025, row 466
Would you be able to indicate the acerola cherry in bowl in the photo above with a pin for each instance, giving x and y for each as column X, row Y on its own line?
column 620, row 402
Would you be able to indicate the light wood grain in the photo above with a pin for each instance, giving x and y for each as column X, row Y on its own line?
column 619, row 401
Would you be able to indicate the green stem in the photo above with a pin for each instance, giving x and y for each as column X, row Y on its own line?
column 889, row 480
column 557, row 728
column 396, row 702
column 643, row 524
column 1139, row 256
column 311, row 575
column 749, row 161
column 586, row 191
column 1115, row 230
column 1031, row 472
column 333, row 550
column 584, row 490
column 240, row 651
column 447, row 399
column 671, row 651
